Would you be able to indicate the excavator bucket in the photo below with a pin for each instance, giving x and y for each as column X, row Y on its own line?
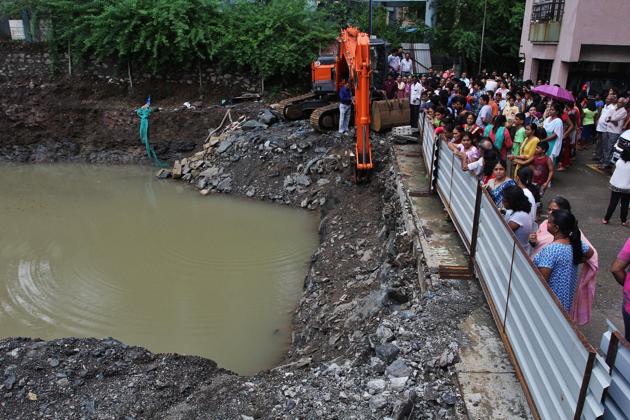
column 389, row 113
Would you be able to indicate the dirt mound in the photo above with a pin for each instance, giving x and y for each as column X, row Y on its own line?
column 89, row 121
column 85, row 378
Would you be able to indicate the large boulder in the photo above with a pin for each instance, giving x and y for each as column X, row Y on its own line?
column 267, row 117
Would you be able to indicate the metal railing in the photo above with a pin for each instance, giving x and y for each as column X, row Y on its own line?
column 561, row 373
column 548, row 11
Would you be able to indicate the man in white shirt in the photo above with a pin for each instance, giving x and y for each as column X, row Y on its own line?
column 405, row 65
column 465, row 79
column 393, row 61
column 491, row 85
column 601, row 126
column 415, row 96
column 614, row 127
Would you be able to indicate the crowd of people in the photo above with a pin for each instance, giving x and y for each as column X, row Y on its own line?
column 515, row 141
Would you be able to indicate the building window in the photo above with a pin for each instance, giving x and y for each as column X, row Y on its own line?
column 546, row 21
column 547, row 10
column 544, row 70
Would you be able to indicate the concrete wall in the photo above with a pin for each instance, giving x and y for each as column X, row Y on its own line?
column 602, row 22
column 530, row 70
column 32, row 60
column 585, row 22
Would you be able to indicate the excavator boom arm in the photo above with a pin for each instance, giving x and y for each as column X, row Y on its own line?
column 354, row 49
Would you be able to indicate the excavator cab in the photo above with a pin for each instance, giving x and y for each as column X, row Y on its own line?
column 324, row 70
column 378, row 61
column 323, row 75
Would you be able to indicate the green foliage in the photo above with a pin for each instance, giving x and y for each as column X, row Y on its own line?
column 158, row 33
column 344, row 13
column 277, row 37
column 269, row 38
column 273, row 37
column 459, row 26
column 155, row 33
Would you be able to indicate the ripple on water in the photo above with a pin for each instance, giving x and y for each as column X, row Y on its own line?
column 102, row 251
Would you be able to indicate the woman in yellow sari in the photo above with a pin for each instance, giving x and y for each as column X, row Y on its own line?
column 528, row 147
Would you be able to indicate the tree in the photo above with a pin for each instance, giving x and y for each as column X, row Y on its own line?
column 154, row 33
column 344, row 13
column 273, row 38
column 459, row 25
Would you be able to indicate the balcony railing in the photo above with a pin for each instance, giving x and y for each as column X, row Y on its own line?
column 548, row 11
column 546, row 21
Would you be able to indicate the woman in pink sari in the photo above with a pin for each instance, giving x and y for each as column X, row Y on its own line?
column 585, row 291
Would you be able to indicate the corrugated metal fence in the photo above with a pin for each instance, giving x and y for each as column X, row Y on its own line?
column 562, row 375
column 617, row 399
column 421, row 55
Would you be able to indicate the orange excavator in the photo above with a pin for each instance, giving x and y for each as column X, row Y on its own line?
column 363, row 62
column 354, row 53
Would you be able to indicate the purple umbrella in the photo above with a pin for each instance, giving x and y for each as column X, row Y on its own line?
column 555, row 92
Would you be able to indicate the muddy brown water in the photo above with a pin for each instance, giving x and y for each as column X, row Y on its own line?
column 97, row 251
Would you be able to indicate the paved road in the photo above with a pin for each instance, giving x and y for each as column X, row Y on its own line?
column 588, row 193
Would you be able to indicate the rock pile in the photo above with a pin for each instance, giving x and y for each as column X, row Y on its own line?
column 229, row 162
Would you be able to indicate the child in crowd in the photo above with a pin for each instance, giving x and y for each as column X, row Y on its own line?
column 543, row 168
column 425, row 101
column 524, row 179
column 518, row 134
column 400, row 84
column 510, row 110
column 445, row 131
column 466, row 148
column 518, row 215
column 437, row 117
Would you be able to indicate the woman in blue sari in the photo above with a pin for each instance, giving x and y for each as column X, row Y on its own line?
column 499, row 183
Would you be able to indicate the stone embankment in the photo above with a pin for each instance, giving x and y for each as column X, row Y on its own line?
column 34, row 61
column 366, row 342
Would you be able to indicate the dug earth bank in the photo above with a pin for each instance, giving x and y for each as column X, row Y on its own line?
column 366, row 342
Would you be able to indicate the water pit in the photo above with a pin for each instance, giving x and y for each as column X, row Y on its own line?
column 96, row 251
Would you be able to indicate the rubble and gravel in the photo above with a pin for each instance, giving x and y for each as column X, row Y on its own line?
column 366, row 342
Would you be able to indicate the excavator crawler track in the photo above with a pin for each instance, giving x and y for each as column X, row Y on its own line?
column 325, row 118
column 292, row 112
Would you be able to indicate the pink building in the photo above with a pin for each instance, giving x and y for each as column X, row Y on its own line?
column 578, row 41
